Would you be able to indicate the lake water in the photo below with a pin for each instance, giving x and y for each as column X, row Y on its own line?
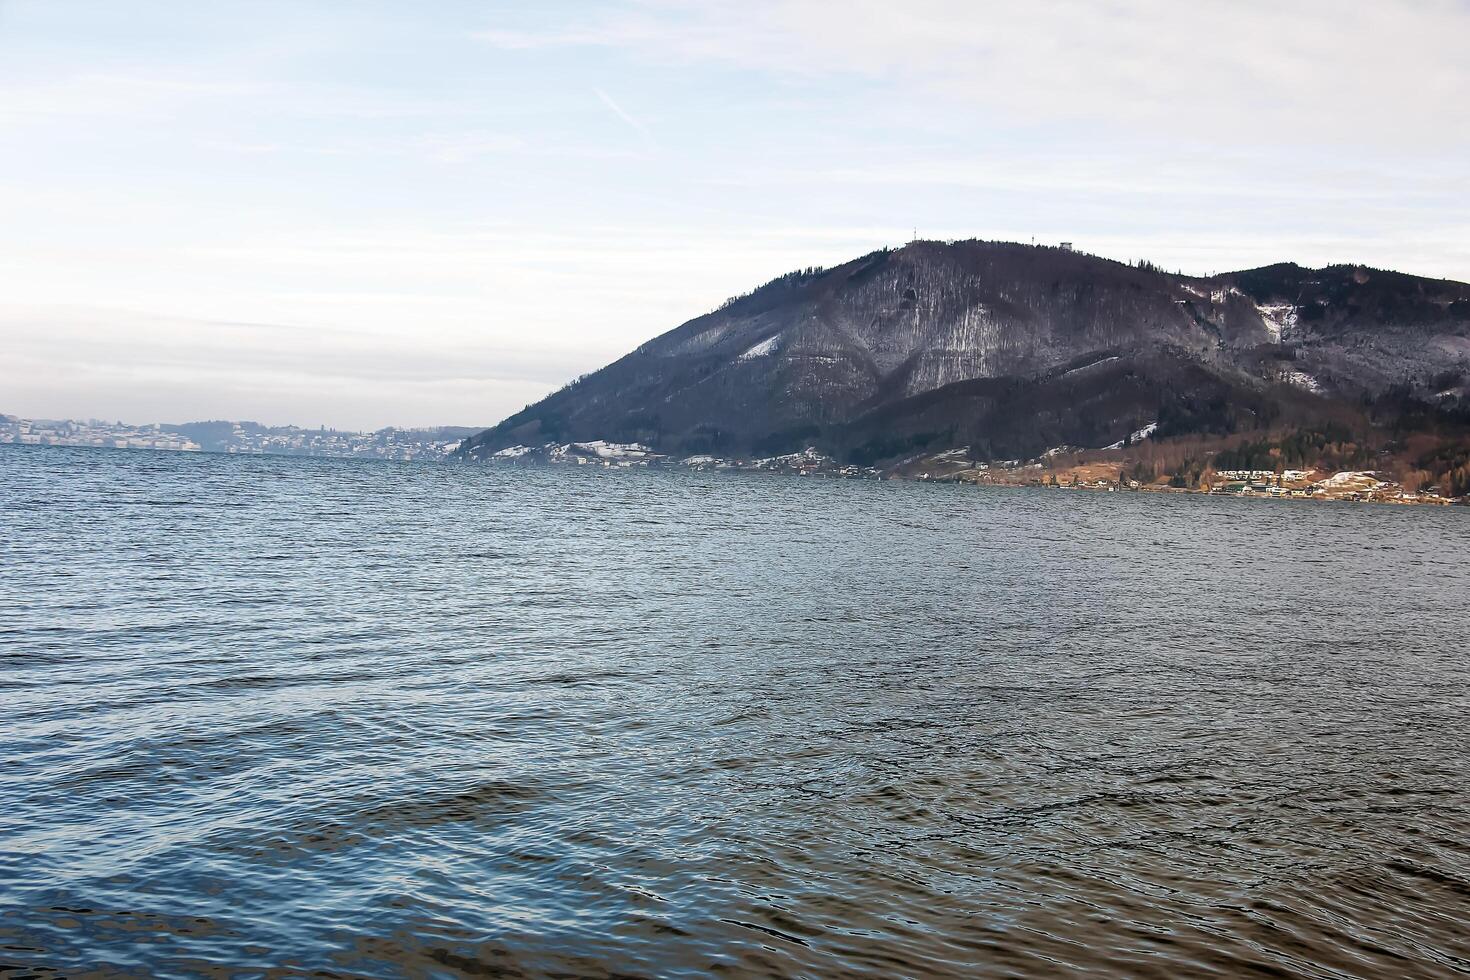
column 267, row 716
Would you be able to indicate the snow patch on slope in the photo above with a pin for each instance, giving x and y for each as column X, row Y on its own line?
column 763, row 349
column 511, row 452
column 1088, row 367
column 1277, row 317
column 1135, row 437
column 1350, row 481
column 699, row 342
column 1303, row 380
column 615, row 450
column 807, row 457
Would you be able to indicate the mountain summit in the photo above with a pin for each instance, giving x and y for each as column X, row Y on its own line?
column 1011, row 349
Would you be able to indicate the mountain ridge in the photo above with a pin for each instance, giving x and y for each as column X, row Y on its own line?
column 990, row 345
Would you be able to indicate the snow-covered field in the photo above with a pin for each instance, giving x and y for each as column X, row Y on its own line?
column 1349, row 482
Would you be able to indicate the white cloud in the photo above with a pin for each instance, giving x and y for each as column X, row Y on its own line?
column 1259, row 71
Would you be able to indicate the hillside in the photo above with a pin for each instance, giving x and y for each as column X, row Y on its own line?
column 1011, row 350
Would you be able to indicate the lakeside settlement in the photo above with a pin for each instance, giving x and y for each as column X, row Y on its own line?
column 954, row 466
column 246, row 438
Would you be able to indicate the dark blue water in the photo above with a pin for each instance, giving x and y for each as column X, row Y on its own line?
column 271, row 717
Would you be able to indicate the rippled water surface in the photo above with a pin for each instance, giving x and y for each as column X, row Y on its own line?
column 271, row 717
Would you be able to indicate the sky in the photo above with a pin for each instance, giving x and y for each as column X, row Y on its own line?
column 359, row 213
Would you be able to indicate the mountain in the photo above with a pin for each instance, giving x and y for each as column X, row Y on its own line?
column 1011, row 350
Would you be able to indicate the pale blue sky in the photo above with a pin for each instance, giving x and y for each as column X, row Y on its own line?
column 359, row 213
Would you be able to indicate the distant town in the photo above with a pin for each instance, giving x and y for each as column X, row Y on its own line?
column 237, row 437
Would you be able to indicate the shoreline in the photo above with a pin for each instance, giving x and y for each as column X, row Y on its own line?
column 1387, row 492
column 1189, row 491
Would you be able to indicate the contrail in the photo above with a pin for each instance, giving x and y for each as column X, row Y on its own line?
column 618, row 110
